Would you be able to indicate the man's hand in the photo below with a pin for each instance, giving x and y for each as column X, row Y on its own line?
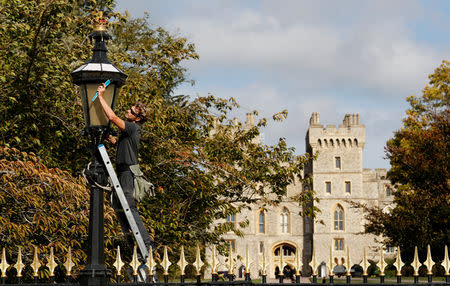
column 107, row 109
column 112, row 139
column 101, row 90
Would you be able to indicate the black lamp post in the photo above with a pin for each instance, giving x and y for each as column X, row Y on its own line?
column 88, row 77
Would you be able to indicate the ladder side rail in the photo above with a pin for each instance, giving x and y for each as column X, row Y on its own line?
column 123, row 201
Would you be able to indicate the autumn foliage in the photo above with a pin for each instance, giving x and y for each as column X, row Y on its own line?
column 43, row 207
column 419, row 154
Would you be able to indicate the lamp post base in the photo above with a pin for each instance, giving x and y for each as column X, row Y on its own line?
column 98, row 277
column 95, row 272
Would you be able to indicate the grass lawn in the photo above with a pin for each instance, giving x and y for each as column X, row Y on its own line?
column 374, row 280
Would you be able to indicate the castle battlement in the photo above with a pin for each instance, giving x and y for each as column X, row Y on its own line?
column 375, row 174
column 249, row 120
column 351, row 133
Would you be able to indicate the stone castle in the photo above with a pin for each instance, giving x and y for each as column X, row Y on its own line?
column 337, row 177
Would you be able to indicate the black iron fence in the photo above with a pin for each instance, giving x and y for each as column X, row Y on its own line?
column 140, row 273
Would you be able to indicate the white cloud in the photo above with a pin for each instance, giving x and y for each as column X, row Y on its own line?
column 375, row 52
column 333, row 57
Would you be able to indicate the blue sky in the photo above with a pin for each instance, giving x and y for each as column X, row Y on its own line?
column 331, row 57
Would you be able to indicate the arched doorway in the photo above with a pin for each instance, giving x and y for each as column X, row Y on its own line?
column 289, row 250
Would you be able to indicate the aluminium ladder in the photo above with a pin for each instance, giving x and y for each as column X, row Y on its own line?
column 126, row 208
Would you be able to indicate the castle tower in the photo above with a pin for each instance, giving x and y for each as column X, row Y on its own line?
column 337, row 176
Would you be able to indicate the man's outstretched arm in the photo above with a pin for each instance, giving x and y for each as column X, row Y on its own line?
column 107, row 109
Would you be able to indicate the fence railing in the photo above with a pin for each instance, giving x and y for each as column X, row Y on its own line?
column 219, row 277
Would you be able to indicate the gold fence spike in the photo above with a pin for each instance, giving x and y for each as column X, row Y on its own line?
column 382, row 263
column 198, row 263
column 446, row 262
column 214, row 261
column 332, row 263
column 429, row 263
column 298, row 263
column 263, row 263
column 69, row 262
column 348, row 263
column 135, row 261
column 151, row 264
column 36, row 264
column 4, row 264
column 398, row 262
column 118, row 264
column 51, row 264
column 19, row 264
column 313, row 263
column 281, row 264
column 231, row 264
column 166, row 263
column 416, row 263
column 182, row 263
column 247, row 261
column 365, row 263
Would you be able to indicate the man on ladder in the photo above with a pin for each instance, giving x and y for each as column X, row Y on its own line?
column 127, row 155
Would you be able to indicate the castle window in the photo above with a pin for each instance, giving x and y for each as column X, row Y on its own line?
column 349, row 142
column 284, row 221
column 338, row 143
column 331, row 143
column 308, row 247
column 328, row 187
column 338, row 244
column 231, row 218
column 356, row 142
column 388, row 191
column 320, row 143
column 389, row 249
column 343, row 142
column 339, row 218
column 261, row 222
column 337, row 162
column 348, row 187
column 307, row 225
column 261, row 247
column 231, row 243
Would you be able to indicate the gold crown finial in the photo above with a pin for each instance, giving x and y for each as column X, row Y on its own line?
column 100, row 22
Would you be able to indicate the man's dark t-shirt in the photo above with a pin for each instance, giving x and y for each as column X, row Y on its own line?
column 127, row 145
column 127, row 155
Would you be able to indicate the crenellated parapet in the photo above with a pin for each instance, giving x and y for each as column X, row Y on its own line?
column 249, row 120
column 375, row 174
column 350, row 134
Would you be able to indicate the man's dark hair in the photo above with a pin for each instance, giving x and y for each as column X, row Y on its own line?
column 142, row 111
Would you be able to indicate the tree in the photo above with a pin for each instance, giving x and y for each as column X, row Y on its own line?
column 39, row 109
column 204, row 166
column 202, row 163
column 44, row 207
column 419, row 156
